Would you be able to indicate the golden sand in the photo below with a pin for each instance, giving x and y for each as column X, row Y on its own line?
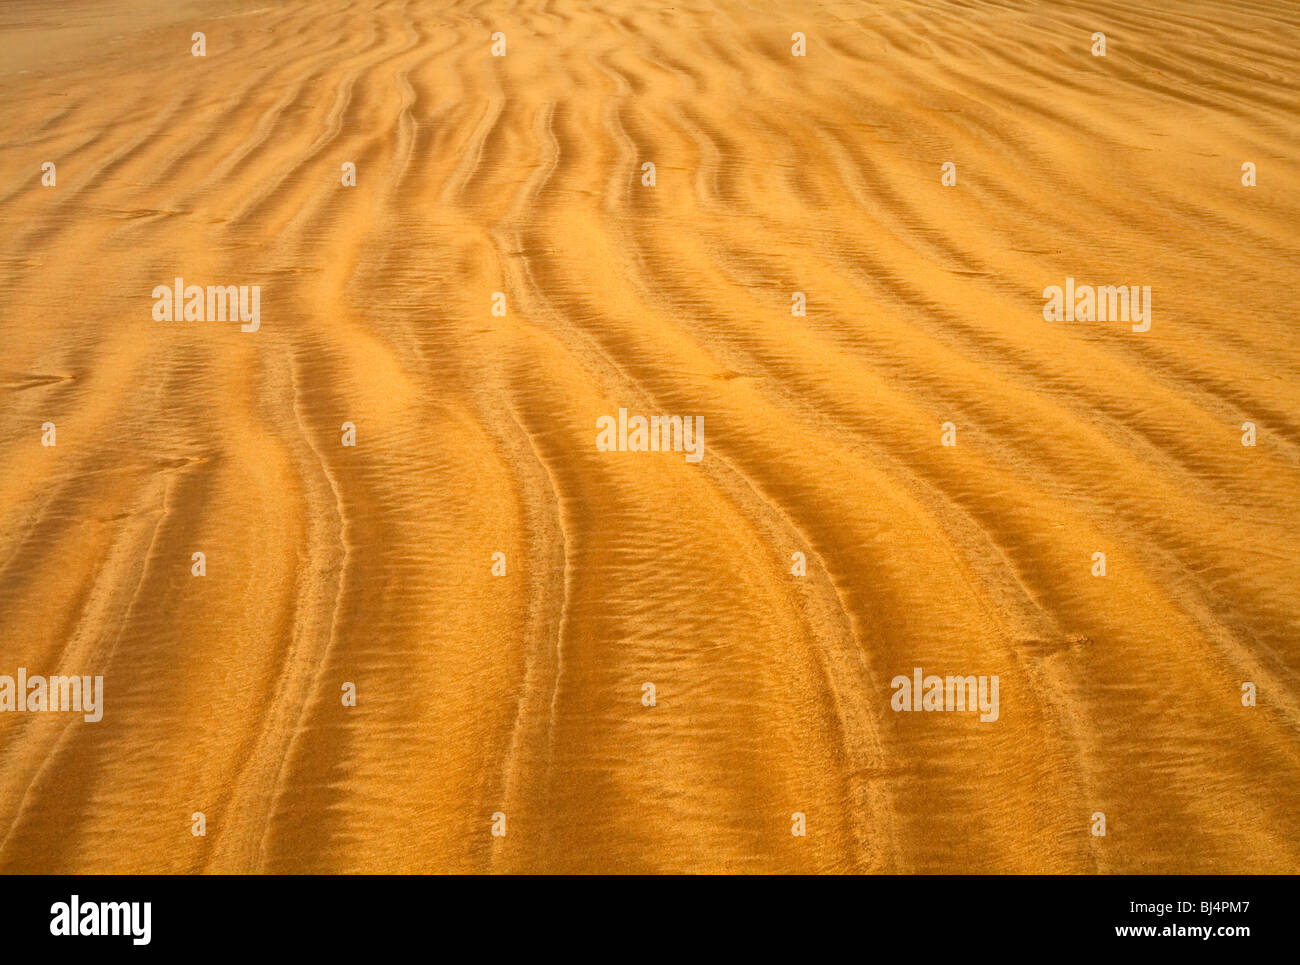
column 476, row 434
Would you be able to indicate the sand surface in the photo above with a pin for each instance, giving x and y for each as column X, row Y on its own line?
column 522, row 694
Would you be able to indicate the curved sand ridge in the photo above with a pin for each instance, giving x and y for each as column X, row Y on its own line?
column 476, row 434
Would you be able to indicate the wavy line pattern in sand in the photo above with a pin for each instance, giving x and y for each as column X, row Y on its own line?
column 522, row 694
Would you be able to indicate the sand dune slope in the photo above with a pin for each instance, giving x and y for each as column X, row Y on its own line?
column 522, row 694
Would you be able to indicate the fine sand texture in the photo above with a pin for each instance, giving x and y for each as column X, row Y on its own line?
column 502, row 721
